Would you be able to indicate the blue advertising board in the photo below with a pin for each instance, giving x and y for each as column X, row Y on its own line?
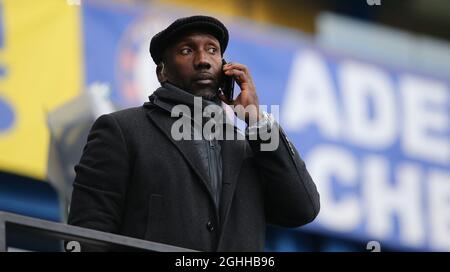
column 375, row 139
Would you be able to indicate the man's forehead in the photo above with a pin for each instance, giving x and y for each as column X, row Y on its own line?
column 195, row 35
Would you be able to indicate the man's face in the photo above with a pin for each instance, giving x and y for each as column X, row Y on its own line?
column 194, row 63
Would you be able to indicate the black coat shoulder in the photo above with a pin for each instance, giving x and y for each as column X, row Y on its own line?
column 129, row 116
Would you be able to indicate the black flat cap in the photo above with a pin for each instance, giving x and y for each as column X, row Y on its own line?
column 199, row 23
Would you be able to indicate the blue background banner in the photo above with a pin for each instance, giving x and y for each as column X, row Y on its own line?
column 375, row 139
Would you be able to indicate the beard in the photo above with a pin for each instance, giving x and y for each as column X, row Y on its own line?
column 208, row 92
column 210, row 96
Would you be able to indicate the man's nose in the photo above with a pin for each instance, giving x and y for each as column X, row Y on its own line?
column 202, row 60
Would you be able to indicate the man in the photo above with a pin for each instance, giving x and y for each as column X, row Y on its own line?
column 134, row 178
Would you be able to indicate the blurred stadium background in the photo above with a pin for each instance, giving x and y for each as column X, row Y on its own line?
column 363, row 88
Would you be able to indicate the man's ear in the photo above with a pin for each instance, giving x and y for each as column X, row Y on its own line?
column 161, row 73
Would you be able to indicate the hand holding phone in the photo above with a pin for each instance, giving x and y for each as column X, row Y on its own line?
column 247, row 98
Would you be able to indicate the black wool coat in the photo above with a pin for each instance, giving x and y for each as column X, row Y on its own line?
column 134, row 179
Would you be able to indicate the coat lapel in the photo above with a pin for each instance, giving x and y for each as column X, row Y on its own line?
column 233, row 155
column 187, row 148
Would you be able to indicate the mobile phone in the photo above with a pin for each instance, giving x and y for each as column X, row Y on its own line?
column 227, row 85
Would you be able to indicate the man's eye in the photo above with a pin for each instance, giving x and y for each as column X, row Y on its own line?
column 185, row 51
column 212, row 50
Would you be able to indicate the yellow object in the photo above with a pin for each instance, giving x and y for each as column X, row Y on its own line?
column 41, row 54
